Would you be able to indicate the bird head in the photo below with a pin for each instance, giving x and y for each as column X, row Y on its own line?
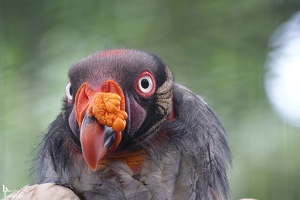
column 117, row 100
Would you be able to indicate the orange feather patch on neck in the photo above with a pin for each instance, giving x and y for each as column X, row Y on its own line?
column 134, row 159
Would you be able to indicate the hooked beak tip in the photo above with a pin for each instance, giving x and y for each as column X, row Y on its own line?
column 92, row 141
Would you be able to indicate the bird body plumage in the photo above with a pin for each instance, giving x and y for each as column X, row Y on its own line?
column 164, row 156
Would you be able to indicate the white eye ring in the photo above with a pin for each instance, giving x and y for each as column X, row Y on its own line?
column 68, row 91
column 145, row 84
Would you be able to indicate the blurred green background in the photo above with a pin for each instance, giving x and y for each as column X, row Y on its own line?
column 217, row 48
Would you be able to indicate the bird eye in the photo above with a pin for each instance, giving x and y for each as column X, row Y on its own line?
column 145, row 84
column 69, row 91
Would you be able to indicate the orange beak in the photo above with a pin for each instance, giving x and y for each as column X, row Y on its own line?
column 101, row 117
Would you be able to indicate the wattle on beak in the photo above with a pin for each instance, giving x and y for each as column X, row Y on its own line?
column 101, row 117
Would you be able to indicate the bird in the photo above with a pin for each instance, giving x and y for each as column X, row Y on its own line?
column 127, row 130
